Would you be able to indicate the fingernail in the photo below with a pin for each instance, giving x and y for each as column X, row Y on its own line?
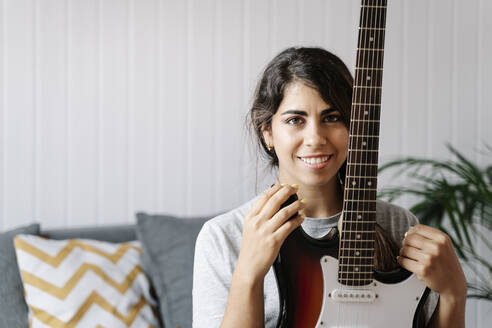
column 406, row 233
column 295, row 185
column 284, row 184
column 302, row 216
column 304, row 201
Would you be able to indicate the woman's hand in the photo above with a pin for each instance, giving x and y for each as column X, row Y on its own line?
column 264, row 230
column 429, row 253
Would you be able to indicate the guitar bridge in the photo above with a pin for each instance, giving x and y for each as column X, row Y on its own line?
column 353, row 296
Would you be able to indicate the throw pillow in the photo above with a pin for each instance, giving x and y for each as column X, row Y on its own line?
column 13, row 308
column 169, row 246
column 84, row 283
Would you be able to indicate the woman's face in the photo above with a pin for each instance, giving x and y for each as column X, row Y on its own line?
column 309, row 138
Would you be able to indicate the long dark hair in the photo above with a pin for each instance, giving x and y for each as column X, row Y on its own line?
column 315, row 67
column 325, row 72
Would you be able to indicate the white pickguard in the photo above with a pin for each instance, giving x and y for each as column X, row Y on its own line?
column 377, row 305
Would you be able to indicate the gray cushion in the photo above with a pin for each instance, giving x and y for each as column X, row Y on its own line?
column 13, row 307
column 169, row 245
column 112, row 234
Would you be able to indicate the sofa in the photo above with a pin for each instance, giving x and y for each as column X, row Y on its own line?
column 168, row 248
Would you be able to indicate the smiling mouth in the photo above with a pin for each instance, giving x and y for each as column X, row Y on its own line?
column 315, row 161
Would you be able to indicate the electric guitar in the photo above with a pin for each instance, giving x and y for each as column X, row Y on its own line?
column 331, row 282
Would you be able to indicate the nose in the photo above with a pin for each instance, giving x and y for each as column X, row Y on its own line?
column 314, row 136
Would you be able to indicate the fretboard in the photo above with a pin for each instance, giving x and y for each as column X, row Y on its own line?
column 356, row 253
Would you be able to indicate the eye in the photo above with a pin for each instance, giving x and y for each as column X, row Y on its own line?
column 294, row 120
column 335, row 117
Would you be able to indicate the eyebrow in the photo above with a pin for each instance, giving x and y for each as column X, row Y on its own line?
column 303, row 113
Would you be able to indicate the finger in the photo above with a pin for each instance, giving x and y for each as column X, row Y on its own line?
column 285, row 229
column 276, row 200
column 409, row 264
column 284, row 214
column 418, row 241
column 429, row 233
column 413, row 253
column 263, row 199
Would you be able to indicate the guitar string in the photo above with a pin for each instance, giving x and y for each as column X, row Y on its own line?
column 353, row 154
column 365, row 154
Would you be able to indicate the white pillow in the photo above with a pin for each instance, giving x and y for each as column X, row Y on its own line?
column 84, row 283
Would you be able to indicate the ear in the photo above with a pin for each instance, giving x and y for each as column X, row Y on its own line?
column 267, row 135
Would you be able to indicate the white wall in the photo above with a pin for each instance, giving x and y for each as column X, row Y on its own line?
column 108, row 107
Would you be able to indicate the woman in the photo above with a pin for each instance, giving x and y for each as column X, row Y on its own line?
column 300, row 116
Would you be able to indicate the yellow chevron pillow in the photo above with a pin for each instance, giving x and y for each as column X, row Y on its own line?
column 84, row 283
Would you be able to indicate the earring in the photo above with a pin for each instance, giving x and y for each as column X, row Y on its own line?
column 339, row 179
column 270, row 147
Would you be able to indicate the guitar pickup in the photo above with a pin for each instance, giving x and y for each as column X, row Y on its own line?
column 353, row 296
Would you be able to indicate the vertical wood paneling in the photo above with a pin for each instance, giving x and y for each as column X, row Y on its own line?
column 261, row 48
column 200, row 110
column 442, row 73
column 3, row 122
column 286, row 25
column 466, row 81
column 341, row 29
column 144, row 107
column 114, row 124
column 172, row 105
column 18, row 180
column 84, row 90
column 312, row 16
column 229, row 103
column 415, row 94
column 51, row 111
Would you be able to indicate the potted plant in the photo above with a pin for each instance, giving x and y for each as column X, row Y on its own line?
column 456, row 197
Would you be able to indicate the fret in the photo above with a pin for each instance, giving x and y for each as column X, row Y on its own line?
column 362, row 189
column 366, row 87
column 363, row 143
column 361, row 157
column 364, row 206
column 370, row 150
column 370, row 77
column 359, row 176
column 361, row 181
column 371, row 39
column 358, row 221
column 355, row 257
column 357, row 240
column 372, row 17
column 362, row 252
column 360, row 211
column 362, row 169
column 374, row 2
column 369, row 68
column 356, row 194
column 370, row 59
column 373, row 28
column 365, row 104
column 370, row 49
column 363, row 135
column 361, row 200
column 368, row 95
column 357, row 264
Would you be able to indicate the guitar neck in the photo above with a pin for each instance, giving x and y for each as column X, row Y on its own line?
column 356, row 252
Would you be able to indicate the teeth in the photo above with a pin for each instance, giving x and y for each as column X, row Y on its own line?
column 316, row 160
